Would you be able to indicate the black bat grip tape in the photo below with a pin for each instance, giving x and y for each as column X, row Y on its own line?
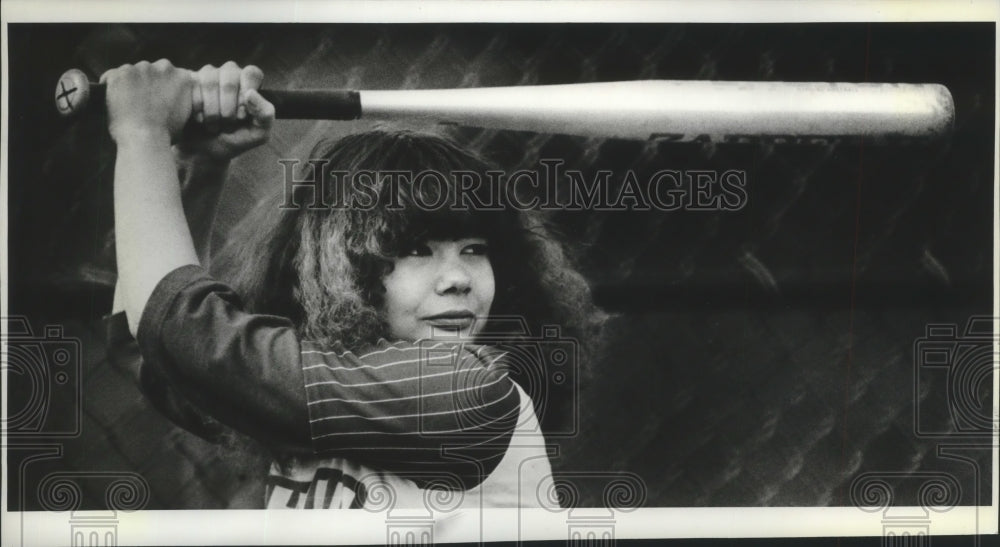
column 292, row 104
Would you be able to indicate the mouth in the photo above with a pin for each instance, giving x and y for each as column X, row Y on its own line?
column 451, row 320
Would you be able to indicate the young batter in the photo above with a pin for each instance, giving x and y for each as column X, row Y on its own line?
column 348, row 339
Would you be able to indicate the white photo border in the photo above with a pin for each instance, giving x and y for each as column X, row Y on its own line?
column 271, row 527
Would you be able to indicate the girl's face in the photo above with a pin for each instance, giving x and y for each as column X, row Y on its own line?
column 439, row 288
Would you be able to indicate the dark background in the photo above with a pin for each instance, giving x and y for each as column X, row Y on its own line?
column 763, row 357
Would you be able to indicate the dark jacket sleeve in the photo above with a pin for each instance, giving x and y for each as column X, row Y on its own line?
column 406, row 407
column 123, row 354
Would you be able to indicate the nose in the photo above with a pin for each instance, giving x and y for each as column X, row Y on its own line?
column 453, row 277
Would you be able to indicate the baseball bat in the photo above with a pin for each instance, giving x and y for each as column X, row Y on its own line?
column 674, row 110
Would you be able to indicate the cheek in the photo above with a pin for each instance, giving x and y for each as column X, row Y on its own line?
column 401, row 290
column 390, row 293
column 487, row 285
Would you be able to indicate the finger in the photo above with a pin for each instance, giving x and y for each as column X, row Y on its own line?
column 112, row 72
column 142, row 68
column 162, row 65
column 260, row 109
column 250, row 78
column 229, row 90
column 208, row 80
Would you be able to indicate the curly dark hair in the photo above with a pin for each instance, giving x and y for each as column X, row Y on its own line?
column 321, row 261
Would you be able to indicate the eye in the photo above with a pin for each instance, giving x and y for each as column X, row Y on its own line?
column 478, row 249
column 419, row 249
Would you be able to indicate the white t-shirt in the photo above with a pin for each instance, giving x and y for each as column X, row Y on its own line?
column 522, row 479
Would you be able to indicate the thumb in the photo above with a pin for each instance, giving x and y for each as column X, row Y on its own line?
column 244, row 138
column 260, row 109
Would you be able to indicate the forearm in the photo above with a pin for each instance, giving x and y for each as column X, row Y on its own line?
column 202, row 178
column 151, row 233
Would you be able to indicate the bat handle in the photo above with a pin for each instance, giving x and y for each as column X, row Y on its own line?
column 75, row 93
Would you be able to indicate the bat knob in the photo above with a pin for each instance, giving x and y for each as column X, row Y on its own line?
column 72, row 92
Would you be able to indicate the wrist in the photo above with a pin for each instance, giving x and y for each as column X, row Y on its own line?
column 141, row 136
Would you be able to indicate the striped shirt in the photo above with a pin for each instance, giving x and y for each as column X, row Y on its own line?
column 426, row 409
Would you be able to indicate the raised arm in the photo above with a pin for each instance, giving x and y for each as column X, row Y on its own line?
column 148, row 106
column 230, row 118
